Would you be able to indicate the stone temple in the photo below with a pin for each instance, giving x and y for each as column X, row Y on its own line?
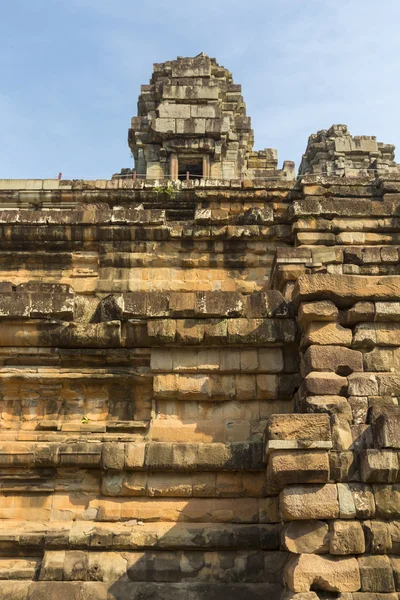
column 200, row 364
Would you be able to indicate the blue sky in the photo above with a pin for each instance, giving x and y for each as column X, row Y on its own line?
column 71, row 70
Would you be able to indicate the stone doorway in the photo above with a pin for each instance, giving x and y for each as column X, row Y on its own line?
column 190, row 167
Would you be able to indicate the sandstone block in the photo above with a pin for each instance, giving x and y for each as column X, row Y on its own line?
column 388, row 385
column 54, row 590
column 113, row 455
column 379, row 466
column 52, row 567
column 359, row 408
column 311, row 466
column 134, row 304
column 364, row 500
column 376, row 574
column 341, row 361
column 346, row 537
column 387, row 311
column 261, row 331
column 161, row 360
column 333, row 405
column 194, row 387
column 362, row 437
column 387, row 500
column 217, row 304
column 222, row 387
column 134, row 455
column 377, row 536
column 394, row 530
column 386, row 430
column 327, row 334
column 159, row 455
column 342, row 438
column 15, row 305
column 323, row 310
column 56, row 306
column 267, row 387
column 360, row 312
column 289, row 595
column 367, row 335
column 303, row 502
column 312, row 239
column 270, row 360
column 17, row 590
column 346, row 290
column 162, row 331
column 343, row 465
column 75, row 565
column 19, row 568
column 165, row 125
column 322, row 573
column 381, row 359
column 395, row 562
column 173, row 111
column 347, row 507
column 299, row 427
column 362, row 384
column 271, row 303
column 321, row 384
column 306, row 537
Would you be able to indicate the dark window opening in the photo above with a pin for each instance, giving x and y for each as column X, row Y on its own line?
column 190, row 168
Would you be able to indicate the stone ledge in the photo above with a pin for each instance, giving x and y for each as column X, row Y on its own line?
column 280, row 181
column 346, row 290
column 24, row 535
column 135, row 456
column 161, row 566
column 133, row 590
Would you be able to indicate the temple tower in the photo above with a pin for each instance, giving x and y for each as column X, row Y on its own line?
column 192, row 123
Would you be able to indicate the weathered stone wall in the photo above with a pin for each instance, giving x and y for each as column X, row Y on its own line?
column 192, row 116
column 334, row 466
column 199, row 378
column 199, row 391
column 336, row 152
column 142, row 352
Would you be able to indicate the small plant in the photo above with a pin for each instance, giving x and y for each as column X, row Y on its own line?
column 166, row 190
column 85, row 419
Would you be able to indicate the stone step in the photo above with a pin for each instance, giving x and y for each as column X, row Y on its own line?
column 132, row 590
column 32, row 537
column 234, row 566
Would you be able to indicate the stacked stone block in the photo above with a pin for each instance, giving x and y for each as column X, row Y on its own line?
column 141, row 355
column 336, row 152
column 337, row 485
column 193, row 113
column 199, row 381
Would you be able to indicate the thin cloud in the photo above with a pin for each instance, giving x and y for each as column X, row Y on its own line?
column 68, row 99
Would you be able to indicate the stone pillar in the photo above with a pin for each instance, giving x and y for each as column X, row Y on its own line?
column 206, row 166
column 173, row 166
column 141, row 162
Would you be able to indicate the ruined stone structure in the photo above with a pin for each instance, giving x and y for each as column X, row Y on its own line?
column 192, row 119
column 200, row 378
